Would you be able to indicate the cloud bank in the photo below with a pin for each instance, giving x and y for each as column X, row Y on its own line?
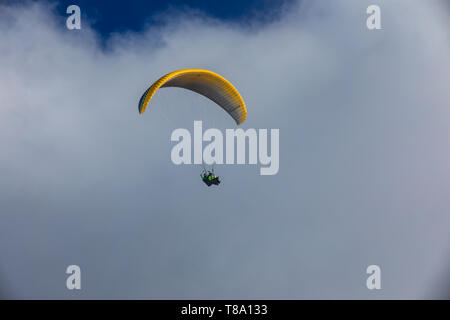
column 364, row 156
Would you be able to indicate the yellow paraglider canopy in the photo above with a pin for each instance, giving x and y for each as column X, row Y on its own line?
column 206, row 83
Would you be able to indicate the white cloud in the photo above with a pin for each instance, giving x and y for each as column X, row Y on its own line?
column 363, row 118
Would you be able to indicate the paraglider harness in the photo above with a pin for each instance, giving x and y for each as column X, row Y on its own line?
column 209, row 178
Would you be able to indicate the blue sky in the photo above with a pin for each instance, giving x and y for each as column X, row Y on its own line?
column 120, row 16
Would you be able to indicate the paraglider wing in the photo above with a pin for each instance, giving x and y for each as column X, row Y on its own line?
column 204, row 82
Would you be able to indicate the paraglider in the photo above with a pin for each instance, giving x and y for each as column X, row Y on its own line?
column 209, row 178
column 209, row 84
column 204, row 82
